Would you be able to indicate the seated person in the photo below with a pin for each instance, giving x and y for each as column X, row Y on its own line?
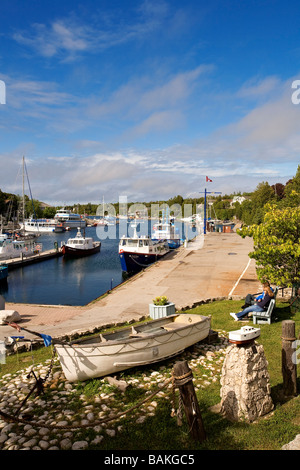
column 260, row 306
column 251, row 299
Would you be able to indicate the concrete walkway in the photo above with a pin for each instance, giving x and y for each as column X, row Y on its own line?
column 212, row 267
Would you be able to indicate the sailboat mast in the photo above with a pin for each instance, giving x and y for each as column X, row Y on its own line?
column 23, row 193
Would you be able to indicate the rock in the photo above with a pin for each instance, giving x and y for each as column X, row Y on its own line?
column 43, row 431
column 31, row 432
column 44, row 445
column 80, row 445
column 30, row 443
column 97, row 440
column 3, row 438
column 141, row 419
column 8, row 316
column 245, row 391
column 293, row 445
column 66, row 444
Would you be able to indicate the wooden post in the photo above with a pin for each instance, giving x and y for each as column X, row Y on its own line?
column 183, row 378
column 289, row 367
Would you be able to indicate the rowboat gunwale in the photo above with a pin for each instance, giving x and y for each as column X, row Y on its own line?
column 96, row 342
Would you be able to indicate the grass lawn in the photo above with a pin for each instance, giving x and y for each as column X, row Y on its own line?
column 160, row 431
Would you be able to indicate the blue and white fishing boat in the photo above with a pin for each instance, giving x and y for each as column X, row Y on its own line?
column 138, row 252
column 165, row 230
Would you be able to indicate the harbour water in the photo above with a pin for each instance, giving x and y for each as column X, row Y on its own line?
column 61, row 281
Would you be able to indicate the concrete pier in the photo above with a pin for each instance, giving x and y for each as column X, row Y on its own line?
column 218, row 268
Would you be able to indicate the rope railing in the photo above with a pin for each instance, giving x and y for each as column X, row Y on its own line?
column 176, row 381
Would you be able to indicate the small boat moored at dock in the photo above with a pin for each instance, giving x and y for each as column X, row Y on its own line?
column 15, row 248
column 144, row 344
column 138, row 252
column 42, row 226
column 80, row 246
column 166, row 230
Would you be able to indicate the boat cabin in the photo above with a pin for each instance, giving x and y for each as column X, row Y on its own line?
column 144, row 244
column 81, row 243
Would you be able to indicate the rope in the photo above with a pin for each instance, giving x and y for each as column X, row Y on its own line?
column 175, row 380
column 183, row 379
column 139, row 264
column 15, row 419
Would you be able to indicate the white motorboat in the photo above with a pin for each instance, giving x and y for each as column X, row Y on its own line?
column 80, row 246
column 141, row 345
column 69, row 219
column 42, row 226
column 244, row 335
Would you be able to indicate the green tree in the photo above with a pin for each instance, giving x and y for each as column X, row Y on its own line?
column 292, row 191
column 277, row 245
column 49, row 212
column 33, row 208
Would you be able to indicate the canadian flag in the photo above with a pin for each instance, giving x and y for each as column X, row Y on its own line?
column 207, row 179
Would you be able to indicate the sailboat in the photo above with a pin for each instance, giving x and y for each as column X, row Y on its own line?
column 18, row 244
column 34, row 225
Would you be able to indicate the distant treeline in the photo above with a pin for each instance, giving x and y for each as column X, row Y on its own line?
column 249, row 208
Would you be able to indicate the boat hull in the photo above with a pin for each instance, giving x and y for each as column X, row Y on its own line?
column 3, row 273
column 154, row 341
column 71, row 252
column 134, row 262
column 73, row 223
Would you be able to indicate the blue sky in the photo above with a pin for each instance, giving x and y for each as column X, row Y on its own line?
column 147, row 98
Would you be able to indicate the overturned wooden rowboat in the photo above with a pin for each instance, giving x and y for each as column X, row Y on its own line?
column 132, row 346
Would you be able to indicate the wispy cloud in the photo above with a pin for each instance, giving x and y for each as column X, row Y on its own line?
column 67, row 38
column 147, row 106
column 62, row 38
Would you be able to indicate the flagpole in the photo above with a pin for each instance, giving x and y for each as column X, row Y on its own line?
column 204, row 228
column 205, row 193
